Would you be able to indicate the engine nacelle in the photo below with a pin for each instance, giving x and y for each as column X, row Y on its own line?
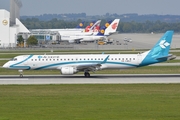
column 68, row 70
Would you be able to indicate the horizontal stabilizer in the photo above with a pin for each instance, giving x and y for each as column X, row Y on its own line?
column 169, row 57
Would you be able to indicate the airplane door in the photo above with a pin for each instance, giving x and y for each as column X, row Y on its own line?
column 25, row 62
column 139, row 58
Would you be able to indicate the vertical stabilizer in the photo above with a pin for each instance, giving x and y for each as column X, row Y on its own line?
column 112, row 27
column 96, row 26
column 103, row 29
column 160, row 51
column 81, row 25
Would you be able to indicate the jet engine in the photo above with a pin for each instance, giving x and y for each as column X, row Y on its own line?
column 68, row 70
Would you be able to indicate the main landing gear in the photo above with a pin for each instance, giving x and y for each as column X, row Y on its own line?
column 86, row 74
column 21, row 73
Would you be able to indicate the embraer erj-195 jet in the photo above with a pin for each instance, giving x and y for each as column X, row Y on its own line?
column 71, row 64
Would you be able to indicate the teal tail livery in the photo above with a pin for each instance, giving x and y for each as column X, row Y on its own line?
column 74, row 63
column 160, row 52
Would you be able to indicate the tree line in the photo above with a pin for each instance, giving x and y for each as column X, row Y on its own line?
column 124, row 27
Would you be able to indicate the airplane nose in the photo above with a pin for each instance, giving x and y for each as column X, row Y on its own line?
column 6, row 65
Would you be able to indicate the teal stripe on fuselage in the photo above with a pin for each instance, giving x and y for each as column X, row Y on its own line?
column 82, row 62
column 21, row 61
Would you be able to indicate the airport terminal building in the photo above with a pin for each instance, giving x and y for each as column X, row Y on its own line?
column 8, row 33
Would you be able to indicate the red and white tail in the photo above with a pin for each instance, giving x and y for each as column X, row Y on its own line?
column 112, row 27
column 93, row 27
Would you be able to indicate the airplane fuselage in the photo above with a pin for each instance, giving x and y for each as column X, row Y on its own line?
column 37, row 62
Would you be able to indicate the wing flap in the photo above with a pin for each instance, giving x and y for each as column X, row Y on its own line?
column 88, row 66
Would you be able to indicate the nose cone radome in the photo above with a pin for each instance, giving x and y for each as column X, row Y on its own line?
column 6, row 65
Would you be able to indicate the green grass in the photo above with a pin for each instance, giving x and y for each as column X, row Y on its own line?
column 90, row 102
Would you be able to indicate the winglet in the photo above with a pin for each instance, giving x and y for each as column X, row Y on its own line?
column 105, row 60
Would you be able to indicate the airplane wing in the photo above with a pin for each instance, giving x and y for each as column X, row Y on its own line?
column 73, row 40
column 94, row 66
column 77, row 39
column 88, row 67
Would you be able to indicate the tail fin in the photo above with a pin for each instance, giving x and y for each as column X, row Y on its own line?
column 112, row 27
column 160, row 51
column 81, row 25
column 93, row 26
column 103, row 29
column 96, row 26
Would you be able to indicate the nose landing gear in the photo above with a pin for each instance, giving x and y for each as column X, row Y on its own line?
column 21, row 73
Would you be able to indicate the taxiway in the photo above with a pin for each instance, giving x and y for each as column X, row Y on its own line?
column 94, row 79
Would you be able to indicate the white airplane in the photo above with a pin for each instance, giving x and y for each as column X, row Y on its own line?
column 89, row 30
column 71, row 64
column 104, row 32
column 78, row 30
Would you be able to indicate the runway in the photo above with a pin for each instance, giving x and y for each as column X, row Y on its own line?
column 94, row 79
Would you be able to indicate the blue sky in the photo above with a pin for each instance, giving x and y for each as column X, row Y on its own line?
column 97, row 7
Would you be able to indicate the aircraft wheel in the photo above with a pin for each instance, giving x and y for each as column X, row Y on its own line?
column 86, row 74
column 21, row 75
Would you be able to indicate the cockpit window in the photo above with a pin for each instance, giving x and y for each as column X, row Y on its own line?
column 13, row 59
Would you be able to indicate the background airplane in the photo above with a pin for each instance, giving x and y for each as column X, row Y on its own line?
column 94, row 26
column 71, row 64
column 109, row 28
column 78, row 30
